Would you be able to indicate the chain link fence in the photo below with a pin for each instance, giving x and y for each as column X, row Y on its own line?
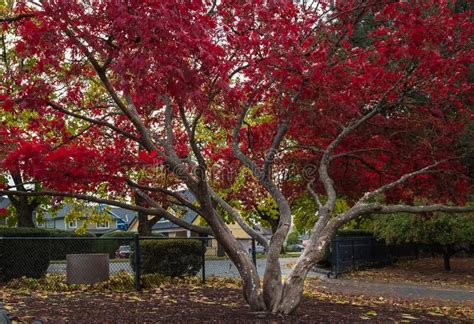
column 58, row 261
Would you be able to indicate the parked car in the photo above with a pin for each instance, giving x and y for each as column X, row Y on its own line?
column 294, row 248
column 258, row 249
column 123, row 251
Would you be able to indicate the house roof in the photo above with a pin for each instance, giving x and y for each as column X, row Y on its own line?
column 67, row 208
column 189, row 215
column 126, row 215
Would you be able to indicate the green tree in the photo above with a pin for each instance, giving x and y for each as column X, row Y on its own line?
column 444, row 232
column 293, row 238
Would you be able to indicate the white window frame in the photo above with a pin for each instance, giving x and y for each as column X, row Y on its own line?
column 50, row 221
column 40, row 224
column 99, row 225
column 73, row 226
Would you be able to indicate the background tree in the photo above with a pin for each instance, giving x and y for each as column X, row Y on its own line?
column 274, row 84
column 446, row 234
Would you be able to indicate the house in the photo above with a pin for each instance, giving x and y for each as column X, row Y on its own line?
column 120, row 220
column 58, row 221
column 171, row 230
column 124, row 217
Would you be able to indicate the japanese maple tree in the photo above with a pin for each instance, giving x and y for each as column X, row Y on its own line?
column 366, row 99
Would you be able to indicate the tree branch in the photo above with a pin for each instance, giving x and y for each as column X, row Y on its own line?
column 191, row 130
column 16, row 18
column 175, row 195
column 399, row 181
column 156, row 211
column 314, row 194
column 400, row 208
column 172, row 218
column 59, row 108
column 326, row 158
column 238, row 218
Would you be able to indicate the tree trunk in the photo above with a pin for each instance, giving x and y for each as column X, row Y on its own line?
column 24, row 216
column 294, row 284
column 447, row 263
column 145, row 225
column 24, row 208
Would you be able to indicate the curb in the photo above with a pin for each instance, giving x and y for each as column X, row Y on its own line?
column 322, row 272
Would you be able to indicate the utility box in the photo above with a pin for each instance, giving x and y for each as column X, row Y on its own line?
column 87, row 268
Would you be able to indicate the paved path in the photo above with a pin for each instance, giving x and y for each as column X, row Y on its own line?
column 225, row 268
column 398, row 290
column 216, row 268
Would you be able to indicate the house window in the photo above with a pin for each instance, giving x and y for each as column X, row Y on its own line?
column 50, row 223
column 72, row 224
column 40, row 224
column 103, row 225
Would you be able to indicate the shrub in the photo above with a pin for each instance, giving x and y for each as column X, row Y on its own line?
column 60, row 248
column 23, row 257
column 171, row 258
column 31, row 257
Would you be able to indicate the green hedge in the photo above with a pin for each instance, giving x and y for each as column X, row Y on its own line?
column 171, row 258
column 30, row 258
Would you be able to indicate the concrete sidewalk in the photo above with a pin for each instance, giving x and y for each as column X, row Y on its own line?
column 397, row 290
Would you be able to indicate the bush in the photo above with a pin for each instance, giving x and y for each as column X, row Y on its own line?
column 31, row 257
column 60, row 248
column 17, row 256
column 171, row 258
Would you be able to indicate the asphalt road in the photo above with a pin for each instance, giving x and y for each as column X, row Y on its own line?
column 217, row 268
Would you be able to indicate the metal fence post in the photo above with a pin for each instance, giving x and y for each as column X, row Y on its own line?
column 353, row 256
column 203, row 246
column 137, row 262
column 254, row 252
column 337, row 256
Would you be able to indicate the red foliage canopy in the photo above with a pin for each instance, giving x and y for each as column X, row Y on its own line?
column 305, row 68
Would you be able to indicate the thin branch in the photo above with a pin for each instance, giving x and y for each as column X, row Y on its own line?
column 402, row 179
column 314, row 194
column 168, row 123
column 59, row 108
column 212, row 11
column 236, row 136
column 175, row 195
column 172, row 218
column 191, row 131
column 16, row 18
column 156, row 211
column 389, row 209
column 351, row 153
column 326, row 158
